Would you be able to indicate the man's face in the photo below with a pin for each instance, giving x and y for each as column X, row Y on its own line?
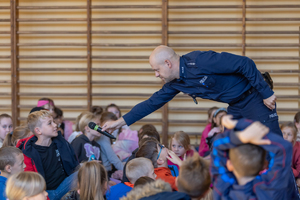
column 48, row 128
column 162, row 71
column 19, row 164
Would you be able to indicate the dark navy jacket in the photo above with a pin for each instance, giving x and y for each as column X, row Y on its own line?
column 33, row 160
column 276, row 183
column 221, row 77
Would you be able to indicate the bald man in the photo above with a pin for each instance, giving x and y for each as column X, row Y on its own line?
column 221, row 77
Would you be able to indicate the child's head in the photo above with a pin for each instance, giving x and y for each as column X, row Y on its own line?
column 210, row 113
column 246, row 160
column 114, row 109
column 180, row 143
column 58, row 115
column 11, row 161
column 194, row 177
column 47, row 104
column 26, row 186
column 97, row 110
column 78, row 119
column 297, row 120
column 139, row 167
column 41, row 123
column 140, row 182
column 84, row 122
column 154, row 151
column 217, row 116
column 92, row 180
column 289, row 132
column 19, row 133
column 107, row 116
column 6, row 125
column 147, row 127
column 149, row 133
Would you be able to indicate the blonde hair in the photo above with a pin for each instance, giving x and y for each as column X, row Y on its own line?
column 24, row 184
column 19, row 133
column 92, row 178
column 137, row 168
column 85, row 119
column 294, row 129
column 182, row 138
column 78, row 119
column 34, row 119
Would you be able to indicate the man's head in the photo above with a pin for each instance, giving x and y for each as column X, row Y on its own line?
column 165, row 62
column 154, row 151
column 246, row 160
column 41, row 123
column 139, row 167
column 11, row 161
column 194, row 177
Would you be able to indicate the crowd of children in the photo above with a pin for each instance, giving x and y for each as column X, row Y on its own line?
column 237, row 159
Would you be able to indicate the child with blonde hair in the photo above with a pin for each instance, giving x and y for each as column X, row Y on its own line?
column 180, row 145
column 49, row 154
column 77, row 131
column 92, row 183
column 26, row 186
column 85, row 147
column 20, row 132
column 289, row 133
column 6, row 126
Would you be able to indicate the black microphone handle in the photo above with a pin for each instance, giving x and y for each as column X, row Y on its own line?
column 105, row 133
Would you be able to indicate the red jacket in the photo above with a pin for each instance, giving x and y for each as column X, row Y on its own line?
column 296, row 160
column 165, row 174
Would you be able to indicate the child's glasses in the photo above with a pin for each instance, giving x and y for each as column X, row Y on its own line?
column 161, row 147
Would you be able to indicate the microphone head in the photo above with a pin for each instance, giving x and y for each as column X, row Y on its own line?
column 92, row 125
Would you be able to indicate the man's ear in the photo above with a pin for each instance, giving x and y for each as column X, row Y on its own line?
column 168, row 63
column 229, row 166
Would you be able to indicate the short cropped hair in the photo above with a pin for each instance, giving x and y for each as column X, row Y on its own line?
column 143, row 181
column 137, row 168
column 85, row 120
column 34, row 119
column 149, row 133
column 24, row 184
column 149, row 150
column 247, row 159
column 8, row 156
column 194, row 177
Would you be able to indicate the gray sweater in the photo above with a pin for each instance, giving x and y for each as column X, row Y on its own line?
column 108, row 155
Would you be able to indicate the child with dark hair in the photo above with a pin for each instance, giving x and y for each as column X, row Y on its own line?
column 20, row 132
column 97, row 110
column 108, row 156
column 147, row 127
column 203, row 147
column 238, row 156
column 297, row 124
column 159, row 155
column 65, row 126
column 142, row 181
column 6, row 126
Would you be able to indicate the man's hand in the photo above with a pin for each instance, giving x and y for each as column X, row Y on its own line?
column 228, row 122
column 270, row 102
column 113, row 124
column 254, row 133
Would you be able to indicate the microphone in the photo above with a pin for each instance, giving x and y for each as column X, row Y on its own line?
column 95, row 127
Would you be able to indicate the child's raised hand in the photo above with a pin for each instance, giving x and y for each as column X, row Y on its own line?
column 254, row 134
column 228, row 122
column 174, row 158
